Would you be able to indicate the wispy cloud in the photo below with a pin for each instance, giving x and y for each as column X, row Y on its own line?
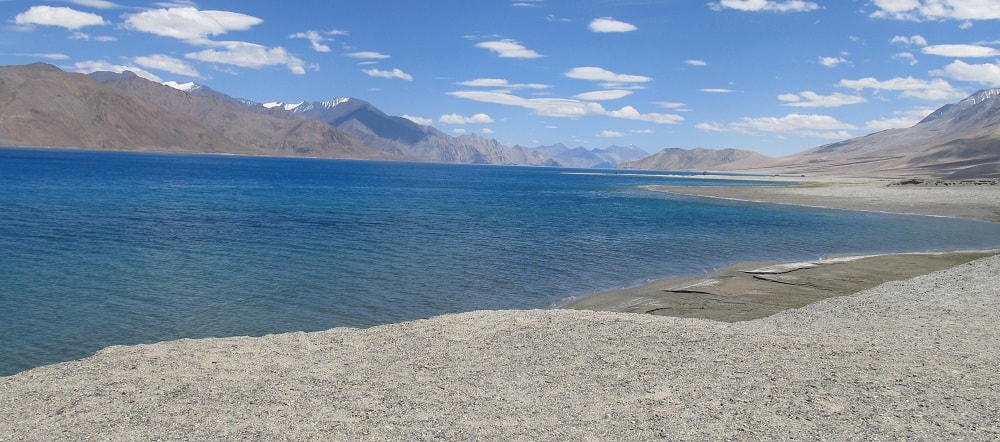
column 317, row 39
column 612, row 94
column 459, row 119
column 812, row 99
column 610, row 79
column 367, row 55
column 249, row 55
column 393, row 74
column 189, row 23
column 765, row 5
column 986, row 73
column 168, row 64
column 805, row 125
column 610, row 134
column 508, row 48
column 961, row 51
column 419, row 120
column 698, row 63
column 935, row 90
column 47, row 56
column 564, row 107
column 608, row 24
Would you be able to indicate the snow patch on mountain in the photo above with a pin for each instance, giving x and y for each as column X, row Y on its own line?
column 186, row 87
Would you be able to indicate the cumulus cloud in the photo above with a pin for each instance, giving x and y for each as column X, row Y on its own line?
column 87, row 67
column 961, row 51
column 935, row 90
column 905, row 57
column 563, row 107
column 987, row 73
column 393, row 74
column 608, row 24
column 914, row 40
column 367, row 55
column 508, row 48
column 419, row 120
column 459, row 119
column 188, row 23
column 64, row 17
column 923, row 10
column 167, row 63
column 812, row 99
column 613, row 94
column 765, row 5
column 610, row 79
column 249, row 55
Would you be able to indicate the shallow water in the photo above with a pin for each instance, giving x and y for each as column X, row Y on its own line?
column 121, row 248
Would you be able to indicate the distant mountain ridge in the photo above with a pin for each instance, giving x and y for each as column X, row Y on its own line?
column 43, row 106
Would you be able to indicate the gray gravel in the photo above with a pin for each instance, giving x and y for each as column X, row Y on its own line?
column 913, row 359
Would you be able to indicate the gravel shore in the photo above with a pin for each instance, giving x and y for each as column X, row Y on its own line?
column 912, row 359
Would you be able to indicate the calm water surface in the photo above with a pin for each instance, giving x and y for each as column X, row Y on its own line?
column 102, row 249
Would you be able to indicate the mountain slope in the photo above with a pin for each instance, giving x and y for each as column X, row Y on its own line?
column 401, row 137
column 247, row 125
column 42, row 106
column 581, row 157
column 700, row 159
column 958, row 140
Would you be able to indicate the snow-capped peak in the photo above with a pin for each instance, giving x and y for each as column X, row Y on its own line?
column 186, row 87
column 982, row 96
column 324, row 105
column 285, row 106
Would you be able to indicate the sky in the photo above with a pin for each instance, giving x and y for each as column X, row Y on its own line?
column 774, row 76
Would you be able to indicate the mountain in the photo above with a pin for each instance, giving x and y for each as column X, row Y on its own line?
column 700, row 159
column 400, row 137
column 581, row 157
column 42, row 106
column 960, row 140
column 246, row 125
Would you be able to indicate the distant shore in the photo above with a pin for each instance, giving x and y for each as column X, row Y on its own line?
column 747, row 291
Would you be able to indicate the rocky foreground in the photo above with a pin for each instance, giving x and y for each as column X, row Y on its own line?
column 912, row 359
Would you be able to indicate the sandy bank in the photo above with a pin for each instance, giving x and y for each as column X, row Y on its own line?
column 912, row 359
column 945, row 198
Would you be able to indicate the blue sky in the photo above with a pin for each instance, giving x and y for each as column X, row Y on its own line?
column 775, row 76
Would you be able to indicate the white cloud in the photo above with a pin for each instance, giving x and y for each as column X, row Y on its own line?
column 920, row 10
column 716, row 90
column 189, row 23
column 613, row 94
column 97, row 4
column 419, row 120
column 500, row 83
column 562, row 107
column 814, row 126
column 87, row 67
column 249, row 55
column 915, row 40
column 766, row 5
column 696, row 62
column 367, row 55
column 961, row 51
column 47, row 56
column 395, row 73
column 167, row 63
column 608, row 24
column 610, row 79
column 611, row 134
column 459, row 119
column 459, row 131
column 935, row 90
column 508, row 48
column 642, row 131
column 813, row 99
column 832, row 62
column 58, row 16
column 905, row 57
column 903, row 120
column 315, row 39
column 987, row 73
column 679, row 107
column 487, row 131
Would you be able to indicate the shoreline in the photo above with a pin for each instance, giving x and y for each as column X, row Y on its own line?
column 741, row 292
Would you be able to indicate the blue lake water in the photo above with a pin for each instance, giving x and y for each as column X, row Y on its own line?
column 104, row 248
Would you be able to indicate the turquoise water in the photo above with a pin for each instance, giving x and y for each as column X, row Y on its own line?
column 102, row 249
